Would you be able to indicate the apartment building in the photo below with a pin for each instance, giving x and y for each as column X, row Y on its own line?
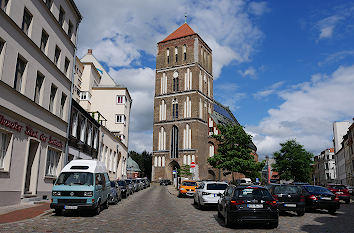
column 37, row 52
column 324, row 168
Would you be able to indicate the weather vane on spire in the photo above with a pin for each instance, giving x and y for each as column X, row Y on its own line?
column 185, row 17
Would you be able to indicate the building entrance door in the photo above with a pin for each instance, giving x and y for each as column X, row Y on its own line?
column 32, row 168
column 174, row 167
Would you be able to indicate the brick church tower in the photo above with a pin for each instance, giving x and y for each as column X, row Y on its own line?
column 182, row 104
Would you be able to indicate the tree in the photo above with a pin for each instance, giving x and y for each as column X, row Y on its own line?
column 144, row 160
column 234, row 152
column 293, row 162
column 184, row 171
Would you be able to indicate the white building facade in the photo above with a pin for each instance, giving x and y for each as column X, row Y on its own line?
column 37, row 47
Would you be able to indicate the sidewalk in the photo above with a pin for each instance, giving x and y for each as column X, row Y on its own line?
column 16, row 213
column 172, row 190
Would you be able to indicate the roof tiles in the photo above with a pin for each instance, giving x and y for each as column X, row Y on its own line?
column 182, row 31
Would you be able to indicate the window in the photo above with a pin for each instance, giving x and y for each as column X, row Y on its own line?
column 62, row 105
column 66, row 65
column 89, row 134
column 85, row 95
column 4, row 144
column 168, row 56
column 74, row 123
column 175, row 109
column 49, row 3
column 188, row 80
column 175, row 84
column 61, row 16
column 187, row 108
column 2, row 43
column 56, row 55
column 163, row 84
column 121, row 99
column 176, row 54
column 26, row 21
column 3, row 4
column 82, row 129
column 163, row 110
column 70, row 30
column 53, row 92
column 162, row 139
column 187, row 137
column 20, row 70
column 155, row 161
column 120, row 118
column 211, row 150
column 53, row 157
column 174, row 142
column 95, row 138
column 184, row 52
column 37, row 91
column 44, row 40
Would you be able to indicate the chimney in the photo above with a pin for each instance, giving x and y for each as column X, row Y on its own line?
column 89, row 51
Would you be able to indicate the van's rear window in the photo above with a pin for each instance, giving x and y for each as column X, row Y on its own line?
column 79, row 167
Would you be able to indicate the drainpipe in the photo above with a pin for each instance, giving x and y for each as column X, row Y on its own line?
column 71, row 100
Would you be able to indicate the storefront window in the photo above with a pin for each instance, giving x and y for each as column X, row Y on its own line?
column 4, row 139
column 53, row 157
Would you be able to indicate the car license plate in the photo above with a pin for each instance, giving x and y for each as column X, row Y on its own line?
column 339, row 192
column 255, row 206
column 290, row 205
column 326, row 198
column 68, row 207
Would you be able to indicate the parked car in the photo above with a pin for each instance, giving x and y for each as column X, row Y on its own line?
column 82, row 184
column 124, row 188
column 116, row 193
column 248, row 204
column 136, row 185
column 341, row 191
column 146, row 181
column 244, row 181
column 318, row 197
column 350, row 189
column 130, row 183
column 187, row 188
column 288, row 197
column 208, row 193
column 165, row 182
column 140, row 183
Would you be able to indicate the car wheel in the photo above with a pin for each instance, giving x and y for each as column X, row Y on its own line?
column 227, row 220
column 219, row 213
column 98, row 209
column 300, row 212
column 58, row 211
column 194, row 202
column 273, row 225
column 199, row 205
column 106, row 204
column 332, row 211
column 116, row 200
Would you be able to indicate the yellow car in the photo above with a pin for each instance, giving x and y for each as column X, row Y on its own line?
column 187, row 188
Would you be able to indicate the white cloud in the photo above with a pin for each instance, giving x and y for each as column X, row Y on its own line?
column 251, row 72
column 228, row 95
column 268, row 91
column 308, row 112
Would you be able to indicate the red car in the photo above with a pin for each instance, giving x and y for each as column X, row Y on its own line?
column 340, row 191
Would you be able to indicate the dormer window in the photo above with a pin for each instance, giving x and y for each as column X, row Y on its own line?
column 176, row 54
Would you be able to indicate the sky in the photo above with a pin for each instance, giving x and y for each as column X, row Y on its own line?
column 285, row 68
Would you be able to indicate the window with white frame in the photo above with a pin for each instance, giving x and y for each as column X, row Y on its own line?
column 159, row 161
column 121, row 99
column 19, row 74
column 83, row 129
column 120, row 118
column 162, row 139
column 187, row 108
column 75, row 116
column 53, row 157
column 187, row 133
column 163, row 161
column 53, row 93
column 26, row 21
column 188, row 80
column 162, row 110
column 4, row 144
column 85, row 95
column 164, row 84
column 3, row 4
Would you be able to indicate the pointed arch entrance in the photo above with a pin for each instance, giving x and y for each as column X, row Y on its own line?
column 172, row 174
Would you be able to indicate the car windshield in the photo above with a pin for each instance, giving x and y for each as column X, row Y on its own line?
column 252, row 193
column 337, row 187
column 113, row 184
column 286, row 189
column 187, row 183
column 75, row 178
column 121, row 183
column 317, row 189
column 216, row 186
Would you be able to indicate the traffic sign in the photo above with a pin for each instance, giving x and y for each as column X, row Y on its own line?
column 192, row 164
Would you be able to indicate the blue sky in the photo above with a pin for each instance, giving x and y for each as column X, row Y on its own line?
column 285, row 68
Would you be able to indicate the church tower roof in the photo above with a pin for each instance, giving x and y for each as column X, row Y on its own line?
column 182, row 31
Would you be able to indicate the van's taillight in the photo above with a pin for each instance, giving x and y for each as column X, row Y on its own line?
column 272, row 203
column 312, row 197
column 93, row 200
column 236, row 202
column 275, row 197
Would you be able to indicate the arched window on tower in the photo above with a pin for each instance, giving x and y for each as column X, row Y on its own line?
column 174, row 142
column 163, row 161
column 162, row 139
column 184, row 52
column 175, row 109
column 163, row 110
column 168, row 56
column 187, row 137
column 176, row 54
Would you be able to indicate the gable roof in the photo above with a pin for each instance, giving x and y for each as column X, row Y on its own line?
column 182, row 31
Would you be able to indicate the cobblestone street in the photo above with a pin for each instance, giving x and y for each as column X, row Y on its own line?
column 157, row 210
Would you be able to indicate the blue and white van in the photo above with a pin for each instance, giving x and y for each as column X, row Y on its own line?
column 82, row 184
